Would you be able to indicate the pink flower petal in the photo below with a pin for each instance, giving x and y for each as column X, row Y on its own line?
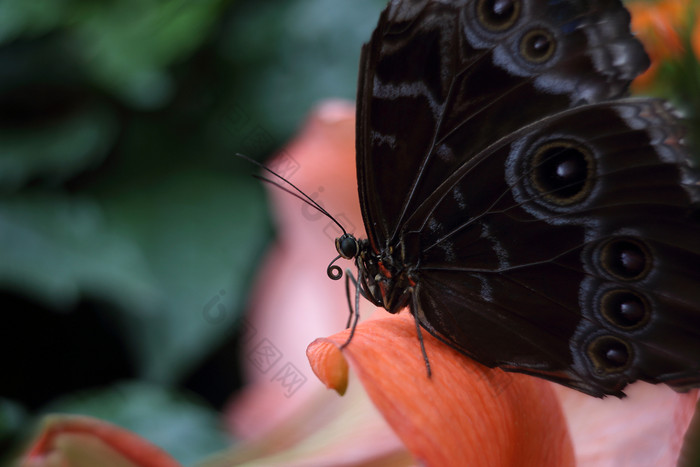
column 645, row 428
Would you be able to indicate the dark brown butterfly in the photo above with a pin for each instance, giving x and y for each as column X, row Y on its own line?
column 527, row 212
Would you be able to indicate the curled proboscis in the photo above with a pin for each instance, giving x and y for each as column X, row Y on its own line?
column 333, row 271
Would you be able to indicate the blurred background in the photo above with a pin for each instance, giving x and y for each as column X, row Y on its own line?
column 129, row 232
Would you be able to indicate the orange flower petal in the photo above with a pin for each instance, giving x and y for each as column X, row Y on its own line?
column 73, row 440
column 658, row 25
column 695, row 36
column 334, row 371
column 464, row 414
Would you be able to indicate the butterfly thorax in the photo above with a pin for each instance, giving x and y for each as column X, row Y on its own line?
column 386, row 277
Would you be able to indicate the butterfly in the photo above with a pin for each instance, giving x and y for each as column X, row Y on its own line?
column 525, row 210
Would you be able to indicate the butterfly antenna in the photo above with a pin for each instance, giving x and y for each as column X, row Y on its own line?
column 297, row 193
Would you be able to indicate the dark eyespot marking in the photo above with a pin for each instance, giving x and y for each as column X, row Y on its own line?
column 562, row 172
column 537, row 46
column 609, row 354
column 498, row 15
column 626, row 259
column 625, row 309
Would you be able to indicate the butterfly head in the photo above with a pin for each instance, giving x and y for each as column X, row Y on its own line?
column 347, row 246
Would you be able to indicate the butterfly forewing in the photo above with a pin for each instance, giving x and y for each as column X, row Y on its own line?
column 437, row 88
column 540, row 221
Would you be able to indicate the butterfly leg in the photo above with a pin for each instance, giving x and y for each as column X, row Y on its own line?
column 422, row 348
column 348, row 278
column 419, row 331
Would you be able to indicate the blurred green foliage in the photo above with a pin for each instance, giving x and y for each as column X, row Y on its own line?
column 123, row 213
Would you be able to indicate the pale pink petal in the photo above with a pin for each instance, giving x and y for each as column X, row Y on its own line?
column 326, row 430
column 645, row 428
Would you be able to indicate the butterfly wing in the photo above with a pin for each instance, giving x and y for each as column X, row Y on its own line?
column 432, row 70
column 551, row 224
column 592, row 288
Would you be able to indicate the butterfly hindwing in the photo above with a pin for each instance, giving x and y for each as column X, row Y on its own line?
column 591, row 284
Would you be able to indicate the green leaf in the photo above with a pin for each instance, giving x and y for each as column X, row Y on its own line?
column 290, row 55
column 12, row 418
column 132, row 61
column 201, row 233
column 18, row 17
column 57, row 150
column 13, row 424
column 56, row 247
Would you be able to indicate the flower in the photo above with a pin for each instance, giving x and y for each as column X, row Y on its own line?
column 73, row 441
column 695, row 36
column 660, row 26
column 296, row 302
column 464, row 414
